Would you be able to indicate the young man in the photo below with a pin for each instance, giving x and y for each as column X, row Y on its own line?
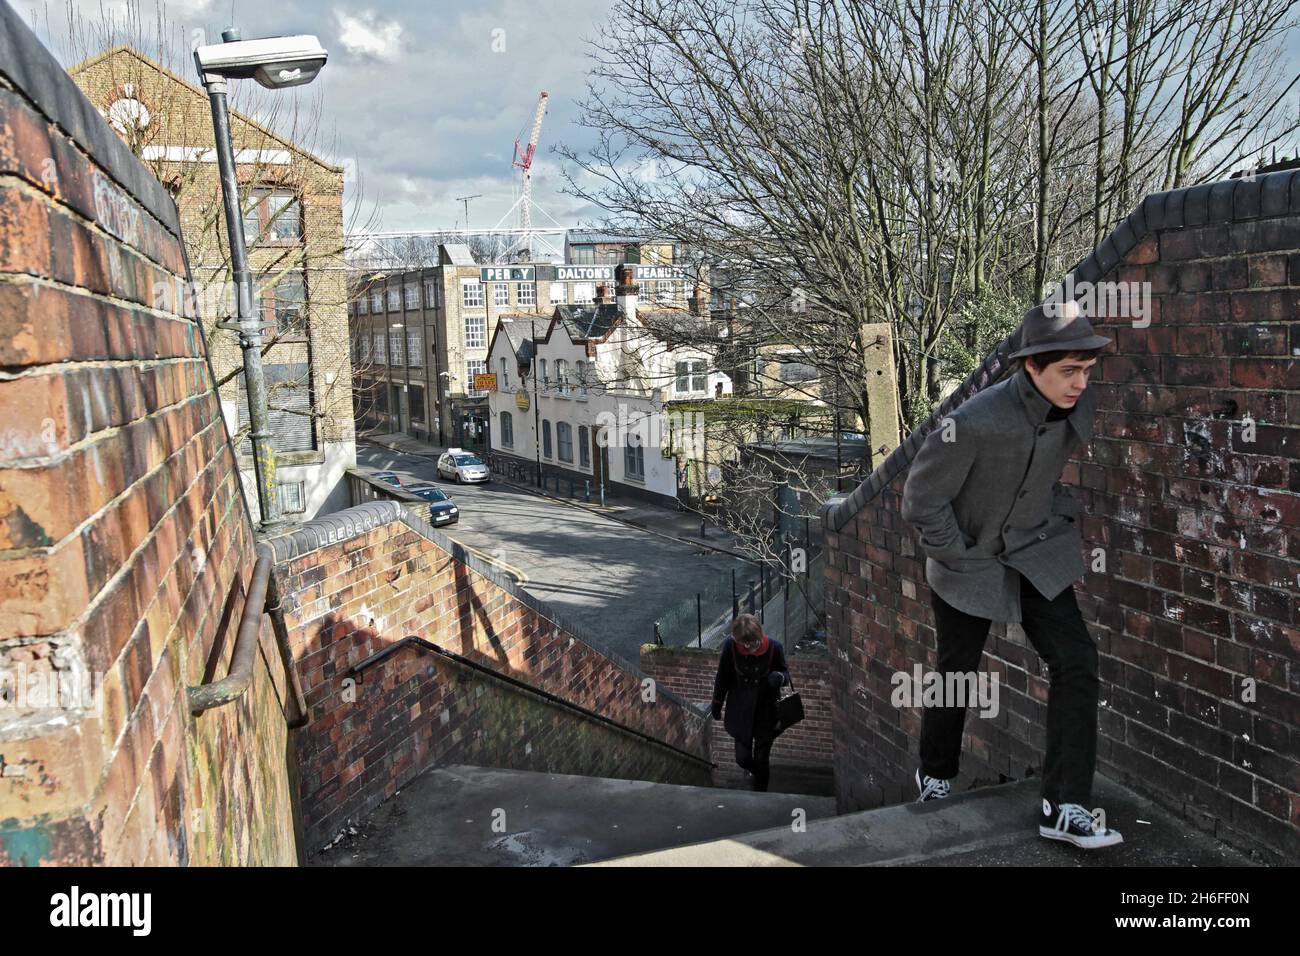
column 1002, row 543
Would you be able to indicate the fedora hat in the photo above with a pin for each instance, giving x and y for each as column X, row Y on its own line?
column 1067, row 329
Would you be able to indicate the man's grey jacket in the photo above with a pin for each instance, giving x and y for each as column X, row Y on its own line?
column 984, row 493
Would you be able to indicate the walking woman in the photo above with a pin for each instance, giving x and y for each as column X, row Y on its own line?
column 751, row 671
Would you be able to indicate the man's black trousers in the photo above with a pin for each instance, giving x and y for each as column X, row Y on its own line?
column 1056, row 630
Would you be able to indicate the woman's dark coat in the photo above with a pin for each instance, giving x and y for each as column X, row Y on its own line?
column 742, row 683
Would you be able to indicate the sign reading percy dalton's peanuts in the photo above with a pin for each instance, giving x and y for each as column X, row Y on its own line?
column 583, row 273
column 508, row 274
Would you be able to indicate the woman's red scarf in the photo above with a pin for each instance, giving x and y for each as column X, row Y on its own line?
column 760, row 650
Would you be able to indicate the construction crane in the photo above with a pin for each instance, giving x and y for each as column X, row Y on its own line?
column 524, row 161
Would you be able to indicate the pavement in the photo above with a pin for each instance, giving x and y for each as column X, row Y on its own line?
column 479, row 816
column 605, row 580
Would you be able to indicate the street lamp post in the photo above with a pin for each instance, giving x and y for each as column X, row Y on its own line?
column 275, row 63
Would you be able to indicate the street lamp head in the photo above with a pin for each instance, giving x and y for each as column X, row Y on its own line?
column 275, row 62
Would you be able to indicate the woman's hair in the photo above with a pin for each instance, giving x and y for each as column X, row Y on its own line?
column 746, row 628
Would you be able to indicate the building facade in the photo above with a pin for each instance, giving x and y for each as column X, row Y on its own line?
column 293, row 225
column 420, row 336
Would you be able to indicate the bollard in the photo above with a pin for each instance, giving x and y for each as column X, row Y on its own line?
column 735, row 601
column 587, row 491
column 702, row 534
column 658, row 637
column 699, row 621
column 602, row 493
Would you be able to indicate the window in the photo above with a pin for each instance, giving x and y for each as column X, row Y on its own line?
column 292, row 498
column 541, row 364
column 471, row 293
column 381, row 348
column 527, row 293
column 505, row 378
column 584, row 447
column 288, row 398
column 472, row 368
column 582, row 377
column 560, row 375
column 584, row 293
column 564, row 441
column 546, row 437
column 283, row 304
column 415, row 399
column 634, row 458
column 691, row 376
column 415, row 347
column 559, row 293
column 475, row 331
column 365, row 345
column 507, row 430
column 500, row 293
column 582, row 255
column 363, row 304
column 394, row 299
column 377, row 301
column 412, row 295
column 395, row 338
column 430, row 293
column 273, row 215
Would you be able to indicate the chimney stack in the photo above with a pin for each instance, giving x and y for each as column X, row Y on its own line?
column 625, row 291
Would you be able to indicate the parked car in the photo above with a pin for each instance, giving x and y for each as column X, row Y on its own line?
column 460, row 465
column 389, row 477
column 442, row 510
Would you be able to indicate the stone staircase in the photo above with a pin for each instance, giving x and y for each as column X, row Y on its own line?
column 480, row 816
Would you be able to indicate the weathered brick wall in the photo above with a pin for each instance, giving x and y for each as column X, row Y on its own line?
column 123, row 533
column 359, row 580
column 689, row 673
column 1195, row 517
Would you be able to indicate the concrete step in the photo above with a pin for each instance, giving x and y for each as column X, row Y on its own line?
column 990, row 826
column 446, row 818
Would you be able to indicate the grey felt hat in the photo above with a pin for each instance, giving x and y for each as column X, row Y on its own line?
column 1068, row 329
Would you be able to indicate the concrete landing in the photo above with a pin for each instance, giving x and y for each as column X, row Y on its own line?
column 445, row 818
column 987, row 827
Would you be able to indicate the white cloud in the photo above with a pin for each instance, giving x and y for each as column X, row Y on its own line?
column 364, row 34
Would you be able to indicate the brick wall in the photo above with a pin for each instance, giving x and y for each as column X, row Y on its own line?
column 689, row 673
column 123, row 532
column 1196, row 520
column 359, row 580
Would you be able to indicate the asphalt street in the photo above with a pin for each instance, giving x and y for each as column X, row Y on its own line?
column 610, row 580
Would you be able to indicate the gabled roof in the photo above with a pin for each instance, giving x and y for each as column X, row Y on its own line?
column 517, row 328
column 126, row 50
column 584, row 322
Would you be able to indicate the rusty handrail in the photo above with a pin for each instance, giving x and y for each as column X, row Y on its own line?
column 232, row 686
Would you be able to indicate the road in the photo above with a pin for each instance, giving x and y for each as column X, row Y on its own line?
column 610, row 580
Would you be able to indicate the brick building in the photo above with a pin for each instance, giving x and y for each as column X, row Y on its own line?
column 293, row 224
column 421, row 335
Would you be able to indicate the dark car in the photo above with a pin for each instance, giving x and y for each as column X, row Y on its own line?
column 442, row 510
column 389, row 477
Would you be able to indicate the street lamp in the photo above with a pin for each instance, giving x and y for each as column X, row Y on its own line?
column 276, row 63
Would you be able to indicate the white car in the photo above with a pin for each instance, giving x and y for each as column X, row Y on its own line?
column 460, row 465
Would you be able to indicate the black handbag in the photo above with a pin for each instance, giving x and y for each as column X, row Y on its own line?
column 789, row 709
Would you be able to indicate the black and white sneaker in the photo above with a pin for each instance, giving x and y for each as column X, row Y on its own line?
column 1071, row 823
column 931, row 788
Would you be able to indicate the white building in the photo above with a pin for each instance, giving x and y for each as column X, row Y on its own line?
column 583, row 393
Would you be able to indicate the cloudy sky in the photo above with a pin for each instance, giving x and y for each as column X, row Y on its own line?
column 427, row 98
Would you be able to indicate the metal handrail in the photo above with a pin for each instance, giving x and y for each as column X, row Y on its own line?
column 356, row 669
column 232, row 686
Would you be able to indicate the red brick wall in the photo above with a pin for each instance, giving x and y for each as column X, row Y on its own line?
column 357, row 581
column 1198, row 528
column 122, row 524
column 689, row 672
